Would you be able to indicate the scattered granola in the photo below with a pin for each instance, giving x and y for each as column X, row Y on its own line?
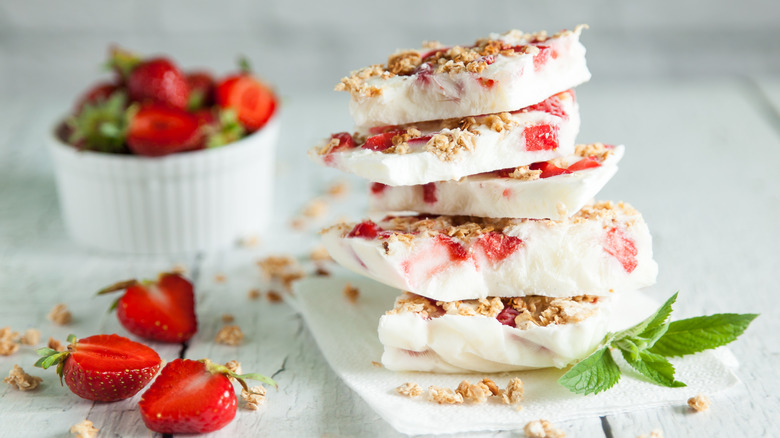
column 447, row 145
column 84, row 429
column 21, row 380
column 254, row 294
column 321, row 272
column 320, row 254
column 250, row 241
column 273, row 296
column 655, row 433
column 376, row 364
column 542, row 429
column 297, row 224
column 475, row 393
column 699, row 403
column 8, row 341
column 253, row 398
column 514, row 392
column 338, row 189
column 220, row 278
column 410, row 389
column 316, row 208
column 444, row 395
column 179, row 268
column 281, row 268
column 60, row 315
column 55, row 345
column 227, row 318
column 351, row 293
column 524, row 173
column 31, row 337
column 229, row 335
column 234, row 366
column 491, row 385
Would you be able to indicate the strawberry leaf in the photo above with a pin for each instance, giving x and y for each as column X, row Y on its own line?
column 693, row 335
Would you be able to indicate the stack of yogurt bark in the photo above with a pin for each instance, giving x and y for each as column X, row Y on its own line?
column 488, row 227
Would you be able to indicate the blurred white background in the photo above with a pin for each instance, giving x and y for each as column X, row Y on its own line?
column 54, row 48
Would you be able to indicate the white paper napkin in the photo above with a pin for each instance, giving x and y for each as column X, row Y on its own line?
column 347, row 336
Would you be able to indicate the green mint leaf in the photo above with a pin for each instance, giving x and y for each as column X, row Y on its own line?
column 648, row 328
column 596, row 373
column 692, row 335
column 653, row 366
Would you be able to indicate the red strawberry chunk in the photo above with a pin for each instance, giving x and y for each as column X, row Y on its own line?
column 187, row 398
column 158, row 80
column 552, row 105
column 507, row 316
column 429, row 193
column 365, row 230
column 542, row 137
column 380, row 142
column 157, row 130
column 378, row 188
column 253, row 102
column 456, row 250
column 497, row 246
column 109, row 367
column 345, row 141
column 548, row 169
column 585, row 163
column 622, row 248
column 163, row 311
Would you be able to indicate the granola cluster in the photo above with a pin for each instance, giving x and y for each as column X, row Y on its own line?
column 60, row 315
column 467, row 392
column 533, row 310
column 8, row 341
column 253, row 397
column 284, row 269
column 230, row 335
column 449, row 143
column 699, row 403
column 603, row 209
column 21, row 380
column 542, row 429
column 84, row 429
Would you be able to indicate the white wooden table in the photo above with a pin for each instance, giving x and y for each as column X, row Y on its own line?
column 701, row 164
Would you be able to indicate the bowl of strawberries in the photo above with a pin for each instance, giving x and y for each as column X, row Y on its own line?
column 158, row 160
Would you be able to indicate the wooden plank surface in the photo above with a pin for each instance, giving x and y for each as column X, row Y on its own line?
column 700, row 165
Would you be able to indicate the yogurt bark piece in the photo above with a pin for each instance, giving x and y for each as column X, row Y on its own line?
column 601, row 249
column 503, row 72
column 441, row 150
column 548, row 190
column 493, row 334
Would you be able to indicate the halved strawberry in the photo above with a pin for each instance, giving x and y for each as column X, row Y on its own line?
column 163, row 310
column 253, row 101
column 158, row 80
column 157, row 130
column 192, row 397
column 103, row 367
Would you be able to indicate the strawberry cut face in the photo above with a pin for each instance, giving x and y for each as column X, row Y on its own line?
column 163, row 311
column 109, row 367
column 542, row 137
column 187, row 398
column 158, row 130
column 498, row 247
column 253, row 102
column 381, row 142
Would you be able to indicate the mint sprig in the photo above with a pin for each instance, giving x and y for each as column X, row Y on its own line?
column 646, row 346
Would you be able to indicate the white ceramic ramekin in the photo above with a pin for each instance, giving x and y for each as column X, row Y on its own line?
column 181, row 203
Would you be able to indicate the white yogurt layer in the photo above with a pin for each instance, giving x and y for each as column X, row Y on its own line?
column 483, row 144
column 491, row 195
column 525, row 72
column 604, row 248
column 454, row 343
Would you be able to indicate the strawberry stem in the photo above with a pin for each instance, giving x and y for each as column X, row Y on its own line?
column 243, row 64
column 52, row 357
column 214, row 368
column 122, row 285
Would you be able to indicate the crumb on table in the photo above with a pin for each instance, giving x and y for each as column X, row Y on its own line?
column 8, row 341
column 273, row 296
column 655, row 433
column 84, row 429
column 229, row 335
column 31, row 337
column 351, row 293
column 409, row 389
column 699, row 403
column 254, row 294
column 21, row 380
column 444, row 395
column 60, row 315
column 253, row 398
column 228, row 318
column 55, row 345
column 542, row 429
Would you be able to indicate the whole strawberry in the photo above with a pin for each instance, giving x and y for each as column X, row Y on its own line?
column 103, row 367
column 158, row 80
column 192, row 397
column 163, row 310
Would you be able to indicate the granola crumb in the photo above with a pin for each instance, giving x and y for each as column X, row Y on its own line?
column 253, row 398
column 409, row 389
column 60, row 315
column 699, row 403
column 179, row 268
column 281, row 268
column 321, row 272
column 8, row 341
column 227, row 318
column 377, row 364
column 514, row 392
column 220, row 278
column 316, row 208
column 320, row 254
column 31, row 337
column 476, row 393
column 229, row 335
column 298, row 224
column 254, row 294
column 84, row 429
column 21, row 380
column 273, row 296
column 655, row 433
column 250, row 241
column 444, row 395
column 542, row 429
column 234, row 366
column 524, row 173
column 351, row 293
column 491, row 385
column 55, row 345
column 338, row 189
